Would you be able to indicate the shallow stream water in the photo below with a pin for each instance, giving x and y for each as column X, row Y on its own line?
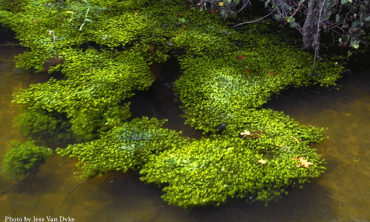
column 341, row 194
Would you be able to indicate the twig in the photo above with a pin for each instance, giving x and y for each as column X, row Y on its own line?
column 74, row 187
column 9, row 44
column 295, row 139
column 253, row 21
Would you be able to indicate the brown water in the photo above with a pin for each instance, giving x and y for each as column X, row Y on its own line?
column 341, row 194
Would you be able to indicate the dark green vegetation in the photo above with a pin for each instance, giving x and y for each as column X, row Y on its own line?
column 23, row 159
column 100, row 53
column 39, row 125
column 122, row 148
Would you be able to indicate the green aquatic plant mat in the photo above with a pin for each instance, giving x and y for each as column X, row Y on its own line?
column 259, row 158
column 94, row 94
column 100, row 53
column 128, row 146
column 23, row 159
column 215, row 89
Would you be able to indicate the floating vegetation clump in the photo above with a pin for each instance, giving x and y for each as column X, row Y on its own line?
column 102, row 51
column 122, row 148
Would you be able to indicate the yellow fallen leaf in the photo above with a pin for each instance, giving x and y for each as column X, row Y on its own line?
column 304, row 163
column 246, row 133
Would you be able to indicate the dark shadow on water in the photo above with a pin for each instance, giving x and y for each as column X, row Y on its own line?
column 294, row 207
column 351, row 85
column 7, row 35
column 160, row 102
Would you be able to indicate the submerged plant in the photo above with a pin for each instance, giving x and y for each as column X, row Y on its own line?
column 41, row 125
column 23, row 159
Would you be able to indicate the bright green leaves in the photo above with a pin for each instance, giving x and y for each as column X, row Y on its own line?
column 128, row 146
column 92, row 96
column 105, row 48
column 209, row 171
column 218, row 87
column 119, row 30
column 23, row 159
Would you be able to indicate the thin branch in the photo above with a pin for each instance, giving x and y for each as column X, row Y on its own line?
column 9, row 44
column 316, row 38
column 243, row 7
column 76, row 185
column 253, row 21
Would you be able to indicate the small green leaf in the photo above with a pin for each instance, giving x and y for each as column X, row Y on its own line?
column 182, row 20
column 343, row 2
column 277, row 17
column 355, row 44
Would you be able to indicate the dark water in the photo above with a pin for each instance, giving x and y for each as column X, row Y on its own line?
column 341, row 194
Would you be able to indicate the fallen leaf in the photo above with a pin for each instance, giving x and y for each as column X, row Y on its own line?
column 245, row 133
column 241, row 57
column 303, row 162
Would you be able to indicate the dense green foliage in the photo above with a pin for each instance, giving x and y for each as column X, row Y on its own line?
column 22, row 159
column 209, row 171
column 128, row 146
column 102, row 52
column 43, row 126
column 92, row 94
column 216, row 90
